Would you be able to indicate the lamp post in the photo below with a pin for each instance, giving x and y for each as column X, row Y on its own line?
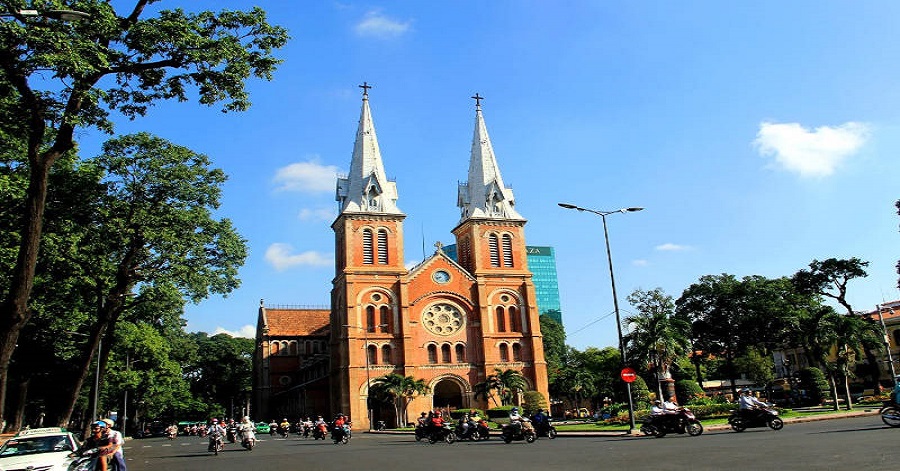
column 612, row 279
column 887, row 343
column 366, row 354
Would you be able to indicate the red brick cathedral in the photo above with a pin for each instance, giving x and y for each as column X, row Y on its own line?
column 450, row 324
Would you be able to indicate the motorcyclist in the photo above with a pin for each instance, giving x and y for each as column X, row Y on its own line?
column 749, row 404
column 422, row 421
column 247, row 429
column 284, row 427
column 100, row 440
column 215, row 431
column 657, row 409
column 517, row 422
column 172, row 430
column 464, row 425
column 539, row 419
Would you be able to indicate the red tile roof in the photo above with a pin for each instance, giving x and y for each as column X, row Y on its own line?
column 297, row 322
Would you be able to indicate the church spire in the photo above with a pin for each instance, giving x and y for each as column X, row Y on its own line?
column 366, row 189
column 485, row 195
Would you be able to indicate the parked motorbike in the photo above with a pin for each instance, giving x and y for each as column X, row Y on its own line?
column 444, row 433
column 518, row 432
column 682, row 422
column 762, row 417
column 890, row 414
column 545, row 429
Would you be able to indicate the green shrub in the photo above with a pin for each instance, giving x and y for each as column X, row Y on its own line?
column 813, row 381
column 499, row 414
column 687, row 391
column 532, row 401
column 640, row 394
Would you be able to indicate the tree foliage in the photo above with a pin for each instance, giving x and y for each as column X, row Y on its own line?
column 57, row 76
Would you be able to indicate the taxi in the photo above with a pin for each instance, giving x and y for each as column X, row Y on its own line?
column 44, row 449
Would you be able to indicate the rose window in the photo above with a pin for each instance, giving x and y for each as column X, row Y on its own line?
column 442, row 319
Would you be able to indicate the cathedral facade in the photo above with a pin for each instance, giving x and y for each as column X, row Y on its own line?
column 450, row 323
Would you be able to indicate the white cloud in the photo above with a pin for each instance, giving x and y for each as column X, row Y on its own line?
column 310, row 177
column 375, row 24
column 319, row 214
column 810, row 153
column 640, row 263
column 281, row 257
column 670, row 247
column 247, row 331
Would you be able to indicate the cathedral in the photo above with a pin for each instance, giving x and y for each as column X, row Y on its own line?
column 450, row 323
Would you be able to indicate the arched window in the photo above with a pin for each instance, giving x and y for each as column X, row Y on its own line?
column 493, row 245
column 445, row 353
column 293, row 347
column 507, row 251
column 368, row 258
column 370, row 318
column 386, row 355
column 385, row 319
column 463, row 253
column 517, row 352
column 504, row 353
column 501, row 320
column 896, row 334
column 372, row 351
column 273, row 349
column 460, row 353
column 382, row 246
column 432, row 354
column 515, row 324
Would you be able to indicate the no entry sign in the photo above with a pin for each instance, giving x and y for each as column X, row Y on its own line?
column 628, row 374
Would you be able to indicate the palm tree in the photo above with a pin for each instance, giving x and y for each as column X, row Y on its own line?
column 485, row 390
column 657, row 337
column 849, row 335
column 509, row 383
column 400, row 390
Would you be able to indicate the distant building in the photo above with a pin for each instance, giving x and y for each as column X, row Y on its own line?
column 451, row 323
column 542, row 263
column 887, row 315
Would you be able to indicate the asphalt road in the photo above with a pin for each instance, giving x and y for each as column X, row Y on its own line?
column 861, row 443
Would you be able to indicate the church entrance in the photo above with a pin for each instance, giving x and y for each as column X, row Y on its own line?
column 447, row 394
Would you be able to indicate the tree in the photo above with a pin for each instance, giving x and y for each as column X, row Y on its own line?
column 657, row 338
column 554, row 340
column 509, row 383
column 830, row 277
column 111, row 63
column 849, row 334
column 401, row 390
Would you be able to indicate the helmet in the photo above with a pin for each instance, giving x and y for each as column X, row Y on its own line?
column 745, row 390
column 423, row 414
column 515, row 409
column 246, row 419
column 108, row 422
column 99, row 423
column 437, row 414
column 215, row 421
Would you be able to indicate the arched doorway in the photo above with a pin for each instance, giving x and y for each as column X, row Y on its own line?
column 447, row 394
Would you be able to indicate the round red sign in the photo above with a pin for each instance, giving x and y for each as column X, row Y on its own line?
column 628, row 374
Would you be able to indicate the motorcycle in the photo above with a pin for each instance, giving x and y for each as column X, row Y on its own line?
column 283, row 430
column 87, row 461
column 172, row 434
column 380, row 426
column 273, row 429
column 469, row 432
column 682, row 422
column 762, row 417
column 444, row 433
column 890, row 414
column 319, row 432
column 545, row 429
column 421, row 432
column 248, row 440
column 518, row 432
column 340, row 434
column 231, row 434
column 216, row 444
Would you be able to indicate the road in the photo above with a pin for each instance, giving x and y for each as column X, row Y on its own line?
column 861, row 443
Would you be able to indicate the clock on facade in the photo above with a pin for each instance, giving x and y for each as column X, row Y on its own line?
column 440, row 276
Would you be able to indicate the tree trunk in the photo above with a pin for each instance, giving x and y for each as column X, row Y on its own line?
column 834, row 394
column 18, row 418
column 847, row 392
column 84, row 371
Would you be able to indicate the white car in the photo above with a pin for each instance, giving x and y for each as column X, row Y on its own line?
column 40, row 449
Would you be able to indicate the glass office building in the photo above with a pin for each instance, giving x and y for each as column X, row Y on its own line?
column 542, row 263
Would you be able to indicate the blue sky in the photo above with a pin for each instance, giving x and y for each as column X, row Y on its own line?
column 758, row 136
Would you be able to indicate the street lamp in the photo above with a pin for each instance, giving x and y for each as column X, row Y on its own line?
column 64, row 15
column 612, row 279
column 366, row 353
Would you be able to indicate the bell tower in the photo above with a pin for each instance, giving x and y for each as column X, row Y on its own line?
column 490, row 242
column 369, row 269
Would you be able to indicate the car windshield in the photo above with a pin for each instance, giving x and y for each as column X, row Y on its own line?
column 34, row 445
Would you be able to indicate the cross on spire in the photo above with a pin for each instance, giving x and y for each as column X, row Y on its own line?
column 439, row 246
column 365, row 86
column 478, row 99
